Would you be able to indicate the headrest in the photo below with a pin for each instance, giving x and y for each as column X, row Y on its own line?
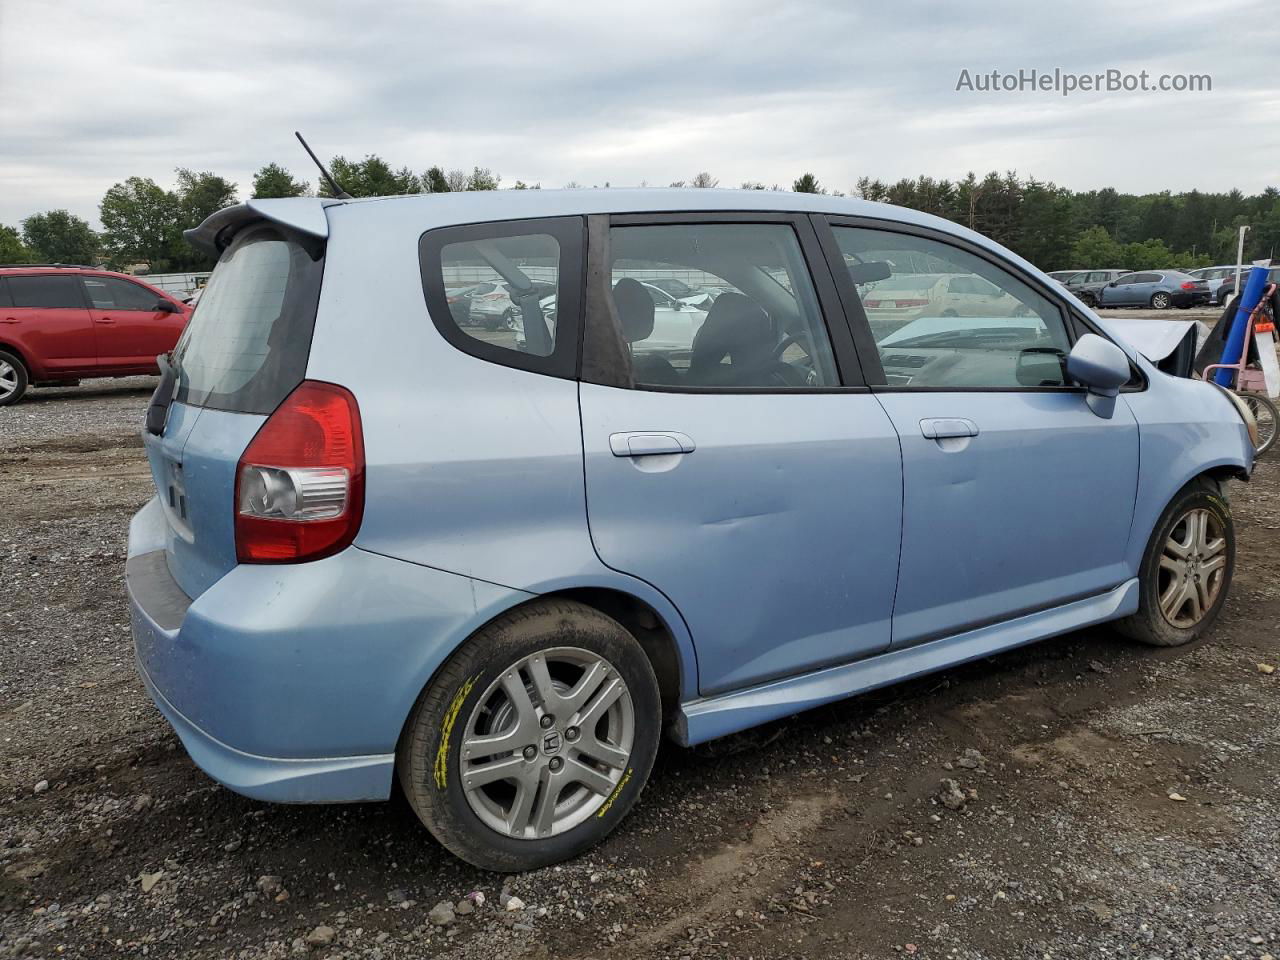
column 635, row 309
column 736, row 327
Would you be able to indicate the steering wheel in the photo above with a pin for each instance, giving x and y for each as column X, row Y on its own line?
column 787, row 340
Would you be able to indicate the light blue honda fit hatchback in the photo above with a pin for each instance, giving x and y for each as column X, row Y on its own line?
column 500, row 561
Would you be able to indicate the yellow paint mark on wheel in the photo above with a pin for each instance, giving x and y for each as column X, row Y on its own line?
column 614, row 796
column 446, row 730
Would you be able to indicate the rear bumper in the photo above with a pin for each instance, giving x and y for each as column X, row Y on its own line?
column 331, row 780
column 292, row 682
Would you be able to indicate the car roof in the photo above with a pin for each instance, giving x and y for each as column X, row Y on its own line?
column 58, row 269
column 413, row 214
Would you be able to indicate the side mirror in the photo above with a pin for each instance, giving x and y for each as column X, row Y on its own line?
column 1100, row 367
column 167, row 306
column 1112, row 283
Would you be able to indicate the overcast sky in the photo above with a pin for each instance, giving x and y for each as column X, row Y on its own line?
column 595, row 92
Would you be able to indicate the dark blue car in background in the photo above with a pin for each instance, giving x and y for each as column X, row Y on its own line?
column 1158, row 289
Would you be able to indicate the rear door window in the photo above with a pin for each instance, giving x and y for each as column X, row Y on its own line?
column 247, row 344
column 49, row 293
column 5, row 299
column 763, row 329
column 109, row 293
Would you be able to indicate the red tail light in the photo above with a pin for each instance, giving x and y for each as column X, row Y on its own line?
column 871, row 303
column 911, row 303
column 1188, row 286
column 300, row 482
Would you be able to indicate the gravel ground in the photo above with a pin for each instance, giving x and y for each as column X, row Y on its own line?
column 1108, row 800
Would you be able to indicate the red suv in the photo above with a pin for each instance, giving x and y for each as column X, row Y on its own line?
column 61, row 323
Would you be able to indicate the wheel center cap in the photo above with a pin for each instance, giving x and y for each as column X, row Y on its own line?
column 551, row 742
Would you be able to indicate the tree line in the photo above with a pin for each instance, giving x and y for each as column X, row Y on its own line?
column 1053, row 227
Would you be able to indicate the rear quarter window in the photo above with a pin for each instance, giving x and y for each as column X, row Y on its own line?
column 249, row 339
column 46, row 292
column 508, row 292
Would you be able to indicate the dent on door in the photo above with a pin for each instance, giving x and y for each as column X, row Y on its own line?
column 776, row 537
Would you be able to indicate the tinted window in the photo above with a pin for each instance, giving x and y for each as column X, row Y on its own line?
column 999, row 333
column 247, row 344
column 108, row 293
column 47, row 292
column 5, row 301
column 764, row 328
column 1146, row 278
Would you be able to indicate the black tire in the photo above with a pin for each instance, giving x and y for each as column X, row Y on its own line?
column 1161, row 300
column 11, row 395
column 1088, row 299
column 1150, row 625
column 428, row 760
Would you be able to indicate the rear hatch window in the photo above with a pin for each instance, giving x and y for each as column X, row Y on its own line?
column 247, row 344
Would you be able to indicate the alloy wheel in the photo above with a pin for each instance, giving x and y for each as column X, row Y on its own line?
column 1192, row 569
column 8, row 380
column 1160, row 301
column 548, row 743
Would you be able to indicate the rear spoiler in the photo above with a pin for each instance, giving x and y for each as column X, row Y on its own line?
column 304, row 214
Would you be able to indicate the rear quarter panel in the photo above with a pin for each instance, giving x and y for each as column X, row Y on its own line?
column 472, row 467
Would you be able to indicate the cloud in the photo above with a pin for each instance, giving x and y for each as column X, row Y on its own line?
column 593, row 92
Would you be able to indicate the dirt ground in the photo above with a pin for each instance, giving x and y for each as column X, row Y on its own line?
column 1118, row 801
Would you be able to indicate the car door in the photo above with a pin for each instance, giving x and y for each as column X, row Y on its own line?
column 746, row 473
column 129, row 329
column 48, row 317
column 1144, row 285
column 1017, row 498
column 1121, row 293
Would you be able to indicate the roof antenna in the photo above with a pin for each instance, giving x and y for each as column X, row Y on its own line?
column 333, row 184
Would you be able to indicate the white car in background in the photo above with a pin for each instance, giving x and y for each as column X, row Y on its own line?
column 904, row 297
column 673, row 288
column 674, row 321
column 491, row 305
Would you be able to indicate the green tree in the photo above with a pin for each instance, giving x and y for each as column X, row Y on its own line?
column 274, row 180
column 60, row 237
column 12, row 249
column 370, row 177
column 197, row 196
column 807, row 183
column 1095, row 247
column 139, row 221
column 1149, row 255
column 433, row 181
column 482, row 178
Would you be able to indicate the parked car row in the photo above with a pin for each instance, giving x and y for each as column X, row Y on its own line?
column 1157, row 289
column 1227, row 288
column 59, row 324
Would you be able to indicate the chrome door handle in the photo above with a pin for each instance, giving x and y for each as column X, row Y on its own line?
column 105, row 320
column 942, row 428
column 649, row 443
